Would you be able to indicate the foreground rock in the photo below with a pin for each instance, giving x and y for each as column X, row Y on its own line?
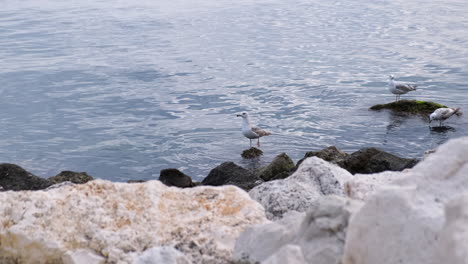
column 101, row 221
column 279, row 168
column 405, row 222
column 313, row 179
column 299, row 238
column 71, row 176
column 231, row 173
column 15, row 178
column 410, row 106
column 174, row 177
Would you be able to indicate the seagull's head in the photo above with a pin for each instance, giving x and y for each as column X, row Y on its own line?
column 391, row 77
column 431, row 117
column 243, row 115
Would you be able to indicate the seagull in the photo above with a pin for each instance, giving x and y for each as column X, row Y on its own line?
column 252, row 132
column 399, row 88
column 441, row 114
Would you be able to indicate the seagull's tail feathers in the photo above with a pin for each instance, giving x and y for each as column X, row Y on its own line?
column 413, row 87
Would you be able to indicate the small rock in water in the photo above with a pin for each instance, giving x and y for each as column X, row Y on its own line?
column 174, row 177
column 251, row 153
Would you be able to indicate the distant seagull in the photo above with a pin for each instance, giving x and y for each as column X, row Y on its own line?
column 252, row 132
column 399, row 88
column 441, row 114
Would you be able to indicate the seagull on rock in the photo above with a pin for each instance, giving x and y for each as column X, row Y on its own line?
column 252, row 132
column 442, row 114
column 399, row 88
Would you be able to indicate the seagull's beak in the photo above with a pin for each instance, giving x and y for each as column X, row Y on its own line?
column 238, row 115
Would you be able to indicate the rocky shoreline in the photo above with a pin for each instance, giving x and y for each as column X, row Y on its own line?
column 369, row 206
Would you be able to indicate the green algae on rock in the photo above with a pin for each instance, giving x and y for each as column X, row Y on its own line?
column 409, row 106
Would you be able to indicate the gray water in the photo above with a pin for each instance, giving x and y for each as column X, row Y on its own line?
column 122, row 90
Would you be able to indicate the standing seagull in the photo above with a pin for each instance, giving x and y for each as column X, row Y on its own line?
column 442, row 114
column 399, row 88
column 252, row 132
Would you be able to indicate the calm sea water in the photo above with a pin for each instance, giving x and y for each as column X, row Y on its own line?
column 122, row 90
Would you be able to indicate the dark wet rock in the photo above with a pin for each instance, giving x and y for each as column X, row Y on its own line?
column 231, row 173
column 410, row 106
column 174, row 177
column 15, row 178
column 251, row 153
column 71, row 176
column 373, row 160
column 331, row 154
column 136, row 181
column 281, row 164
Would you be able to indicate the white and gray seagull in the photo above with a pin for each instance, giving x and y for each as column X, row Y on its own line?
column 399, row 88
column 442, row 114
column 252, row 132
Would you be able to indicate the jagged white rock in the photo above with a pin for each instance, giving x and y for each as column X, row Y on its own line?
column 118, row 221
column 314, row 178
column 452, row 245
column 290, row 254
column 158, row 255
column 401, row 223
column 318, row 236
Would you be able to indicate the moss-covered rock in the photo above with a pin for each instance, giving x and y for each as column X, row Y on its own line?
column 410, row 106
column 75, row 177
column 281, row 164
column 251, row 153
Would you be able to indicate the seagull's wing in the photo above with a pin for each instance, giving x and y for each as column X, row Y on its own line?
column 260, row 131
column 443, row 113
column 405, row 87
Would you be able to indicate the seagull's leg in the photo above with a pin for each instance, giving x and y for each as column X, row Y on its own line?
column 258, row 142
column 250, row 142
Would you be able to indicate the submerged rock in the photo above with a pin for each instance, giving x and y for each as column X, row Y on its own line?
column 174, row 177
column 15, row 178
column 373, row 160
column 71, row 176
column 331, row 154
column 281, row 164
column 251, row 153
column 106, row 222
column 231, row 173
column 410, row 106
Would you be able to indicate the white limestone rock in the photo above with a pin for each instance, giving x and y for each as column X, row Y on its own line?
column 116, row 222
column 364, row 185
column 158, row 255
column 319, row 234
column 452, row 245
column 314, row 178
column 401, row 223
column 290, row 254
